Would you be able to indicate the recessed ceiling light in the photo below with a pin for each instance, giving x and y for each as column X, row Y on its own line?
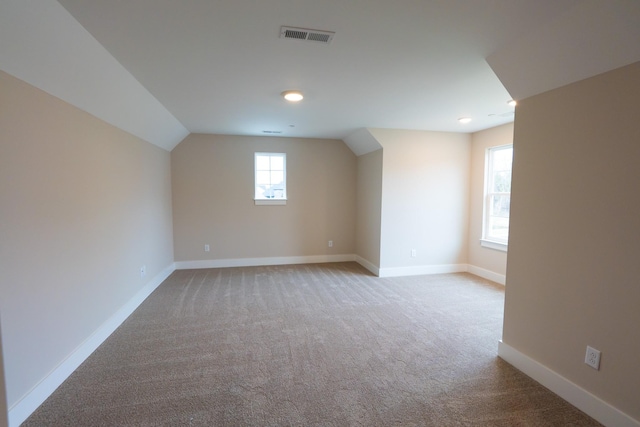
column 464, row 119
column 512, row 102
column 292, row 95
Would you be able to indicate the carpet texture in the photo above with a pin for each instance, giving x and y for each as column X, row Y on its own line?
column 307, row 345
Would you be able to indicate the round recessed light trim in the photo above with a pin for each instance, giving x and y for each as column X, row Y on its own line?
column 464, row 120
column 292, row 95
column 512, row 102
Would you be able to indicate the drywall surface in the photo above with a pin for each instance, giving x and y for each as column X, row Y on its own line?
column 213, row 190
column 362, row 142
column 83, row 205
column 369, row 205
column 46, row 47
column 425, row 198
column 572, row 270
column 492, row 260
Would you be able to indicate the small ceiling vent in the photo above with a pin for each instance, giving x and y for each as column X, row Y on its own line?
column 507, row 114
column 317, row 36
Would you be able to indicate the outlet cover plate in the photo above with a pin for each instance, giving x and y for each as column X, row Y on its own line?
column 592, row 358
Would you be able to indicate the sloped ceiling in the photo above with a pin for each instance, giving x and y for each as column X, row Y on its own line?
column 592, row 37
column 43, row 45
column 160, row 68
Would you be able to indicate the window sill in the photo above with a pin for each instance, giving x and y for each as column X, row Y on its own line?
column 494, row 245
column 272, row 202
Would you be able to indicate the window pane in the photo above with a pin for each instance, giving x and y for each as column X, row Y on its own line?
column 263, row 178
column 501, row 170
column 277, row 177
column 499, row 228
column 498, row 193
column 502, row 159
column 262, row 163
column 277, row 163
column 500, row 205
column 270, row 176
column 502, row 181
column 268, row 192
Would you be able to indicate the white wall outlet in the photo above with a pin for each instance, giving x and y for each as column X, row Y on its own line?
column 206, row 248
column 413, row 253
column 143, row 271
column 330, row 243
column 592, row 358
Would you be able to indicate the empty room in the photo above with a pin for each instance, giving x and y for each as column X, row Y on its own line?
column 329, row 213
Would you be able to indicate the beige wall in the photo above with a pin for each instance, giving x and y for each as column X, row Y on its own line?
column 83, row 207
column 369, row 205
column 573, row 271
column 425, row 198
column 213, row 186
column 492, row 260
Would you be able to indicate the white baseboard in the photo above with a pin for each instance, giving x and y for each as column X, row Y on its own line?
column 487, row 274
column 422, row 269
column 572, row 393
column 431, row 269
column 368, row 265
column 21, row 410
column 254, row 262
column 316, row 259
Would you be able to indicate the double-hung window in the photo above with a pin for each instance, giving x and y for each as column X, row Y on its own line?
column 270, row 179
column 497, row 199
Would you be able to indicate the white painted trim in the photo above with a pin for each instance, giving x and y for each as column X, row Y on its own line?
column 270, row 202
column 21, row 410
column 498, row 246
column 254, row 262
column 422, row 269
column 368, row 265
column 572, row 393
column 487, row 274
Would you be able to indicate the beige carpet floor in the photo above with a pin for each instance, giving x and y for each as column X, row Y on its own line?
column 307, row 345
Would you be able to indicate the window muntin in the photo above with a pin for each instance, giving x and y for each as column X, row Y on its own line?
column 498, row 194
column 270, row 176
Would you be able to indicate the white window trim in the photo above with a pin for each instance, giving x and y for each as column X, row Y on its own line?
column 266, row 201
column 491, row 244
column 488, row 242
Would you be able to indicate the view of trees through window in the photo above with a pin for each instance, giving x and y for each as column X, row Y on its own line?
column 498, row 193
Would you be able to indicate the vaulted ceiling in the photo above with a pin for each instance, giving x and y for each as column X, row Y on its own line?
column 163, row 68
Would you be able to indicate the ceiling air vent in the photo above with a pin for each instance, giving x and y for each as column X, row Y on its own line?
column 507, row 114
column 317, row 36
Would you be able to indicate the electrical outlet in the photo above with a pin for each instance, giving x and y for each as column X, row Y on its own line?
column 592, row 358
column 413, row 253
column 143, row 271
column 206, row 248
column 330, row 243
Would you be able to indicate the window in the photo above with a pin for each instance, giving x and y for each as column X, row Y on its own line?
column 271, row 178
column 497, row 197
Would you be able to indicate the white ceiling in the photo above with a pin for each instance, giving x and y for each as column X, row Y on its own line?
column 219, row 66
